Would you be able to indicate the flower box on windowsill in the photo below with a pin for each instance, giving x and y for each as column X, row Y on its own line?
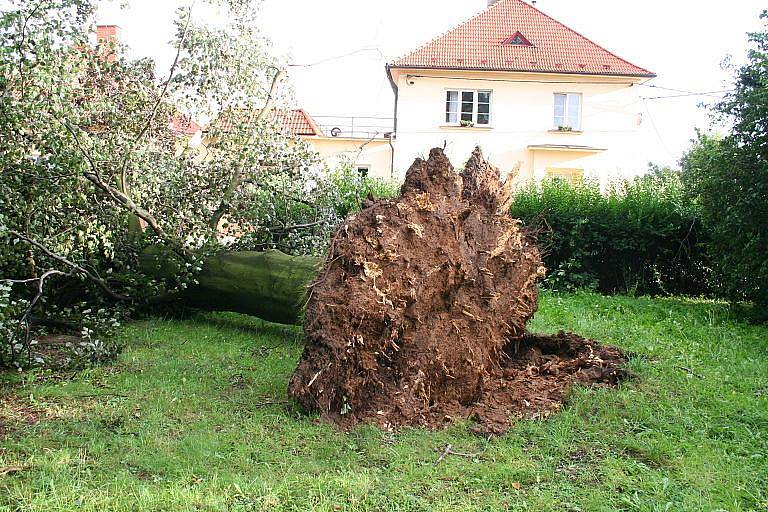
column 565, row 129
column 473, row 127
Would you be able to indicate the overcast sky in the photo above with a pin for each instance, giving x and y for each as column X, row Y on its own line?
column 683, row 41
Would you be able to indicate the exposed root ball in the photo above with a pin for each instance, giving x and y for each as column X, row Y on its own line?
column 419, row 315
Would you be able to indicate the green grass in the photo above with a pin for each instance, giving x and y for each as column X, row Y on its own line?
column 183, row 422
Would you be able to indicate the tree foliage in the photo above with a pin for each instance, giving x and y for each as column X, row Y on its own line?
column 93, row 173
column 728, row 178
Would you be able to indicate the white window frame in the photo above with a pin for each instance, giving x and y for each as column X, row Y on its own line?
column 475, row 96
column 569, row 96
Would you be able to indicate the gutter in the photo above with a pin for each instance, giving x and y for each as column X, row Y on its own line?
column 507, row 70
column 392, row 83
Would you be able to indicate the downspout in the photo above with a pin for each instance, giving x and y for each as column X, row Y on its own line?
column 394, row 127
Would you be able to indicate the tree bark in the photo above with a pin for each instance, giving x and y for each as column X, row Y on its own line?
column 270, row 285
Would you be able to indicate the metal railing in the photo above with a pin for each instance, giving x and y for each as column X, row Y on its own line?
column 358, row 127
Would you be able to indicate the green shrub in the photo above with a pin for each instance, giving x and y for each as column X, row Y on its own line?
column 728, row 178
column 641, row 236
column 318, row 200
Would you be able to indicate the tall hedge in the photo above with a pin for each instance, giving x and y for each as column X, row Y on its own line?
column 641, row 236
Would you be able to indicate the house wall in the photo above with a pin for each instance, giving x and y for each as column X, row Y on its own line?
column 376, row 154
column 522, row 115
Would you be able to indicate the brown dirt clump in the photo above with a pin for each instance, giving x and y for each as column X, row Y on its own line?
column 418, row 317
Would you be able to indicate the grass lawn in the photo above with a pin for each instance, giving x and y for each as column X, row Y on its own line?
column 194, row 417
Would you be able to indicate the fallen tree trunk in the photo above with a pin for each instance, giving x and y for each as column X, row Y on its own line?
column 271, row 285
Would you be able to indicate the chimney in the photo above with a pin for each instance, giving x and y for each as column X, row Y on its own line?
column 491, row 2
column 107, row 33
column 109, row 37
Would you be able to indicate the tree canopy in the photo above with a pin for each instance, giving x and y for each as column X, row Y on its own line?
column 93, row 171
column 728, row 178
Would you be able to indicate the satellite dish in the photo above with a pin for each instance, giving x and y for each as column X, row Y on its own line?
column 335, row 131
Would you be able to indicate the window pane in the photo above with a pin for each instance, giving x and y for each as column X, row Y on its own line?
column 574, row 101
column 452, row 106
column 483, row 119
column 574, row 111
column 560, row 100
column 452, row 101
column 466, row 116
column 468, row 96
column 573, row 121
column 467, row 107
column 483, row 108
column 484, row 96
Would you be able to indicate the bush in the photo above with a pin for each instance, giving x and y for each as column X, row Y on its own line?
column 729, row 182
column 298, row 215
column 642, row 236
column 728, row 178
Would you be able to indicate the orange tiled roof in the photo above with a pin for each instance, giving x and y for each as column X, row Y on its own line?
column 184, row 125
column 295, row 121
column 486, row 43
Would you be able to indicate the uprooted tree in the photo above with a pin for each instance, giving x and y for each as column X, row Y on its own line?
column 418, row 316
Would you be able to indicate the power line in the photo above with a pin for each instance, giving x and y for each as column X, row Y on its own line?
column 683, row 92
column 711, row 94
column 656, row 130
column 339, row 57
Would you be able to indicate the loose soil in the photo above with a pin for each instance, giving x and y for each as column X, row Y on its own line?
column 418, row 317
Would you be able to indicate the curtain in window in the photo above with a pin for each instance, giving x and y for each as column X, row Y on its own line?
column 452, row 107
column 560, row 100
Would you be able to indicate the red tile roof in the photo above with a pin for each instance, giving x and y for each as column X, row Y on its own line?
column 295, row 122
column 477, row 44
column 184, row 125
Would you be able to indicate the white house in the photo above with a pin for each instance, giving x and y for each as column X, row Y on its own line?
column 527, row 89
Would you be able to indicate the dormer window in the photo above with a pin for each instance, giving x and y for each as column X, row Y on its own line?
column 517, row 39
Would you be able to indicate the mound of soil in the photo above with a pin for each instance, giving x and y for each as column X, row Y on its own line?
column 419, row 315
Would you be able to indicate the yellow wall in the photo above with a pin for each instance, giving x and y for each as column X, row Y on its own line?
column 522, row 114
column 375, row 154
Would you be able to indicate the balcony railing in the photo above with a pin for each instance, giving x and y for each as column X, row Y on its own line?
column 358, row 127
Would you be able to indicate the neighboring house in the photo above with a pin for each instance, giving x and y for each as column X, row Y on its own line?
column 190, row 133
column 367, row 147
column 528, row 90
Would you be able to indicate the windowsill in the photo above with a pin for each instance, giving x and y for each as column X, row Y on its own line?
column 459, row 127
column 570, row 132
